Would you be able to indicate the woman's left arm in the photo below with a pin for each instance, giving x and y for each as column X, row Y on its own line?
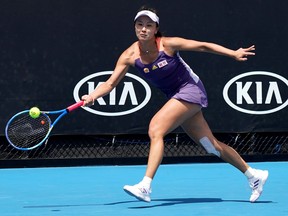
column 240, row 54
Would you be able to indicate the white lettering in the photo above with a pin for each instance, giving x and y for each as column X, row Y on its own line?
column 242, row 92
column 273, row 88
column 91, row 88
column 259, row 94
column 271, row 93
column 128, row 89
column 128, row 92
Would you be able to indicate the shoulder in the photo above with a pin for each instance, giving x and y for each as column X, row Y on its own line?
column 173, row 41
column 130, row 54
column 183, row 44
column 171, row 44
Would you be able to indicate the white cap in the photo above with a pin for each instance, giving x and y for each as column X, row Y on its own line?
column 148, row 13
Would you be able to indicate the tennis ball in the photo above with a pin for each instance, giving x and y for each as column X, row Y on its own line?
column 34, row 112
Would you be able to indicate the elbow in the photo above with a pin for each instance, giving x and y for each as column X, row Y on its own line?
column 204, row 47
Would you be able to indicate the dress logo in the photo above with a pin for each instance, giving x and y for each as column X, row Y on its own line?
column 154, row 67
column 146, row 70
column 162, row 63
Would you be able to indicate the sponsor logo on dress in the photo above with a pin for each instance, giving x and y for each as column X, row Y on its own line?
column 154, row 67
column 162, row 63
column 146, row 70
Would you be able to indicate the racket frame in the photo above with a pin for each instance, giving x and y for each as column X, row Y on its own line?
column 62, row 113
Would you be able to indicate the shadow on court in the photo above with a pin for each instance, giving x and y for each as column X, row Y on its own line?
column 181, row 201
column 164, row 202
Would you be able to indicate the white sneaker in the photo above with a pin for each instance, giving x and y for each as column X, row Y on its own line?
column 138, row 191
column 256, row 183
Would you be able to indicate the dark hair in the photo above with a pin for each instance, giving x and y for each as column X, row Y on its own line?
column 158, row 34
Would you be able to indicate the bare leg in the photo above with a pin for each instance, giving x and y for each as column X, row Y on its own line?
column 173, row 114
column 169, row 117
column 196, row 127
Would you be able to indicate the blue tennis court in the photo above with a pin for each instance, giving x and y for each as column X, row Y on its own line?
column 180, row 189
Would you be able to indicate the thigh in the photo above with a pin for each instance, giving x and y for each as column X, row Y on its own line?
column 196, row 127
column 172, row 115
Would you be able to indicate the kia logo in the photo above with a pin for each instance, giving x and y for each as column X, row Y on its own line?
column 130, row 95
column 257, row 92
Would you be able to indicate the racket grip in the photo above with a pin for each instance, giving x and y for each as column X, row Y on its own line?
column 75, row 106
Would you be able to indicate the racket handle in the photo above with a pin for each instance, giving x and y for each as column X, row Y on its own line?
column 75, row 106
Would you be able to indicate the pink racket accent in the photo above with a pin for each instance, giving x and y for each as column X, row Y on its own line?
column 75, row 106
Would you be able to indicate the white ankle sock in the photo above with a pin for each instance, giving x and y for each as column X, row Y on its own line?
column 249, row 173
column 146, row 181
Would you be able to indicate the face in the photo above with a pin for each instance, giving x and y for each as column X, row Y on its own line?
column 145, row 28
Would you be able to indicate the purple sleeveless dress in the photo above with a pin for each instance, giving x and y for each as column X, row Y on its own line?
column 174, row 78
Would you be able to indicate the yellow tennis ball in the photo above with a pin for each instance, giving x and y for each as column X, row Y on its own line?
column 34, row 112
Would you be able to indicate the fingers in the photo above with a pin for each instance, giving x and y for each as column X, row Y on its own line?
column 242, row 59
column 244, row 53
column 251, row 48
column 88, row 100
column 249, row 51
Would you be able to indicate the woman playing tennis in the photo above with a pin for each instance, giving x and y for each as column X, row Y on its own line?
column 157, row 59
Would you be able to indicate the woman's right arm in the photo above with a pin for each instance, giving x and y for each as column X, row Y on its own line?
column 105, row 88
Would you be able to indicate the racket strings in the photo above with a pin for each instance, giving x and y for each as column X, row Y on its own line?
column 25, row 131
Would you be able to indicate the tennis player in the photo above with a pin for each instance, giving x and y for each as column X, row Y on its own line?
column 157, row 58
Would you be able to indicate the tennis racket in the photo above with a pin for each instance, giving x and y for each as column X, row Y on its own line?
column 26, row 133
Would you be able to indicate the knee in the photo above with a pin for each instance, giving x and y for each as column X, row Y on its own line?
column 212, row 147
column 155, row 131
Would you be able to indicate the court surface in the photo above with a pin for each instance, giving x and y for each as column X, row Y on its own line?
column 180, row 189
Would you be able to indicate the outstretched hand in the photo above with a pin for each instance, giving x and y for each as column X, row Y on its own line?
column 242, row 53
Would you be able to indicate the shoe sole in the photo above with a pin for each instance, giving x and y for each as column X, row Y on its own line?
column 135, row 195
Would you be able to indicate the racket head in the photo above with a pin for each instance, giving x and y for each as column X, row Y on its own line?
column 26, row 133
